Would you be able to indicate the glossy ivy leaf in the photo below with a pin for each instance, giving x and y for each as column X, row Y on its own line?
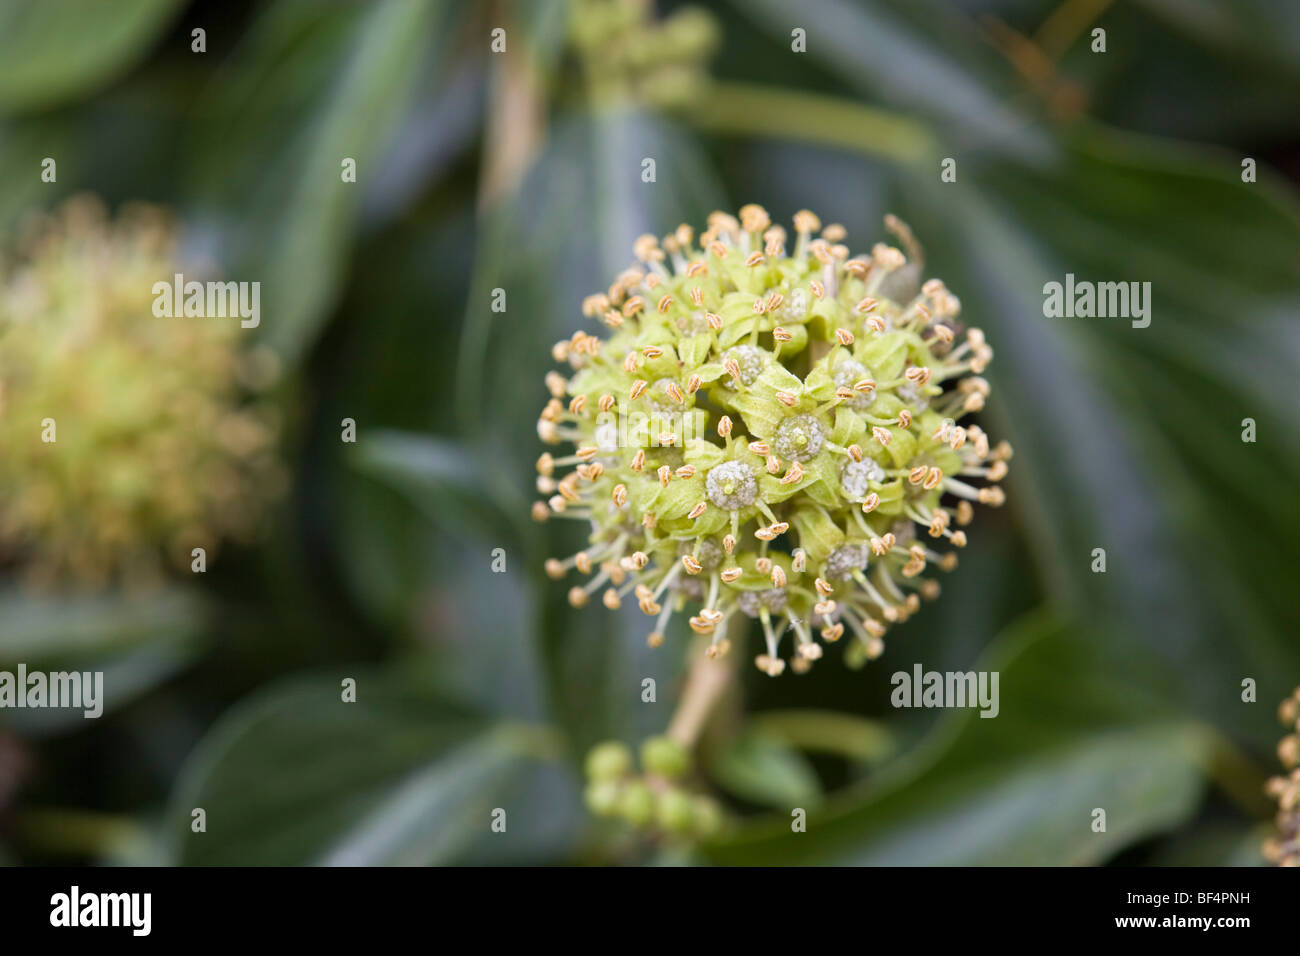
column 915, row 55
column 297, row 775
column 762, row 770
column 137, row 642
column 823, row 731
column 1072, row 735
column 445, row 480
column 53, row 52
column 324, row 84
column 68, row 629
column 1134, row 435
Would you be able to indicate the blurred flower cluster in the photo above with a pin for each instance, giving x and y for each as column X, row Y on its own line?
column 128, row 439
column 626, row 53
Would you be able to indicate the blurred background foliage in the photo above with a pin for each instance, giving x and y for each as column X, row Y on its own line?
column 521, row 171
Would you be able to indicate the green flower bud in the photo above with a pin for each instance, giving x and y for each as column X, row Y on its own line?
column 675, row 811
column 692, row 33
column 665, row 757
column 706, row 816
column 609, row 761
column 770, row 431
column 602, row 797
column 636, row 804
column 627, row 54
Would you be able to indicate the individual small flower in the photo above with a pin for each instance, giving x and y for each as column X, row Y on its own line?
column 157, row 446
column 609, row 761
column 771, row 430
column 1284, row 848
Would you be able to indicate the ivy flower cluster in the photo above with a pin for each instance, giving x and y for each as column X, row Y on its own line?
column 769, row 430
column 127, row 439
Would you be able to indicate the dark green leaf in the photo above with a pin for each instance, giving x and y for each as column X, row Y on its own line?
column 137, row 642
column 323, row 83
column 296, row 775
column 51, row 52
column 764, row 771
column 824, row 731
column 1071, row 736
column 1129, row 438
column 917, row 55
column 445, row 480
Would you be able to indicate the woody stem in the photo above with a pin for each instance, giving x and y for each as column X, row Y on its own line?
column 707, row 681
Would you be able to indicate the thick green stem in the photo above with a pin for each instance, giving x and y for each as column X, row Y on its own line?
column 747, row 109
column 824, row 731
column 78, row 832
column 1237, row 776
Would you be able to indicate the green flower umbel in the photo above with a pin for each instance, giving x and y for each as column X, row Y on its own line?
column 769, row 433
column 123, row 439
